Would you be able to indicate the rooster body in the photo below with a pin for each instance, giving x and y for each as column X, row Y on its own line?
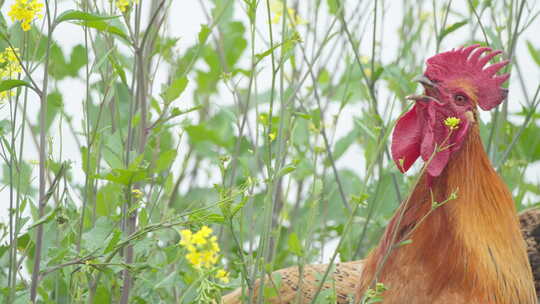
column 469, row 250
column 343, row 280
column 456, row 238
column 301, row 288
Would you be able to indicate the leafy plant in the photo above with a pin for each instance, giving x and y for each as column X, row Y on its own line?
column 271, row 127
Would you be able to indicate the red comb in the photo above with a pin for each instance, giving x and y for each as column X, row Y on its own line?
column 469, row 63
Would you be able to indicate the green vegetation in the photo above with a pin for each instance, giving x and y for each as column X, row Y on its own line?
column 271, row 128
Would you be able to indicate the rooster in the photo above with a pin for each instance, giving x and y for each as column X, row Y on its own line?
column 344, row 277
column 456, row 238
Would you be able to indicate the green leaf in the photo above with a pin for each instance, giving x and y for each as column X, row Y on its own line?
column 286, row 170
column 175, row 89
column 12, row 83
column 535, row 54
column 177, row 112
column 46, row 218
column 167, row 282
column 22, row 173
column 206, row 217
column 529, row 143
column 165, row 160
column 344, row 143
column 294, row 244
column 261, row 56
column 234, row 43
column 124, row 176
column 97, row 236
column 113, row 150
column 333, row 6
column 77, row 60
column 403, row 243
column 32, row 40
column 271, row 290
column 143, row 217
column 108, row 198
column 204, row 33
column 118, row 68
column 54, row 105
column 113, row 240
column 103, row 294
column 103, row 26
column 70, row 15
column 451, row 28
column 58, row 67
column 288, row 44
column 165, row 47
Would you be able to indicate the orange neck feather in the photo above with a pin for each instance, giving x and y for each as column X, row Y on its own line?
column 469, row 250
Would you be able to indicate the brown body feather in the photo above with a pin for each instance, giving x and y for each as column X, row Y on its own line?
column 469, row 250
column 530, row 228
column 293, row 290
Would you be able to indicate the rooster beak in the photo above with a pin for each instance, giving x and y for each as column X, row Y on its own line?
column 417, row 97
column 426, row 82
column 424, row 98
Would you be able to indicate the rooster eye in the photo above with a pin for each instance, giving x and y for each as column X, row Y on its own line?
column 460, row 99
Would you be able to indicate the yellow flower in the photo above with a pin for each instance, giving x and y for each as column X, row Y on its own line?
column 452, row 122
column 200, row 237
column 205, row 231
column 424, row 15
column 10, row 64
column 25, row 11
column 9, row 68
column 367, row 71
column 364, row 59
column 137, row 193
column 263, row 118
column 276, row 7
column 123, row 5
column 223, row 276
column 202, row 247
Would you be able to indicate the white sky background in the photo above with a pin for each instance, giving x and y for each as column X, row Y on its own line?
column 185, row 20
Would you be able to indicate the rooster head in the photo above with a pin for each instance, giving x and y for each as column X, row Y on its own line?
column 455, row 83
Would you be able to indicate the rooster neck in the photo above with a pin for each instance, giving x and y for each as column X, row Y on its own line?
column 470, row 248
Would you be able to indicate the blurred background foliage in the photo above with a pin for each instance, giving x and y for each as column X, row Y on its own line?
column 272, row 128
